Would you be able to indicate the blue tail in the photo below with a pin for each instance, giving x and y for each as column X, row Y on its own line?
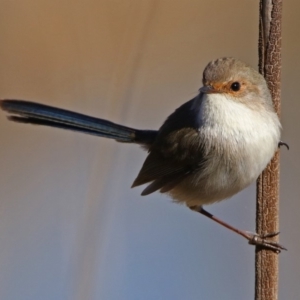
column 40, row 114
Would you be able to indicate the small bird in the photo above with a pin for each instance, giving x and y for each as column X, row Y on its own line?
column 209, row 149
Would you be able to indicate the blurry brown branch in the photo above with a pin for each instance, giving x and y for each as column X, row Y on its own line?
column 266, row 262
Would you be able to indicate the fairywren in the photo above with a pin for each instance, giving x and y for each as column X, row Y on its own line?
column 209, row 149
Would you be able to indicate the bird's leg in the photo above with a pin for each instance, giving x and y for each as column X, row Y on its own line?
column 281, row 143
column 253, row 238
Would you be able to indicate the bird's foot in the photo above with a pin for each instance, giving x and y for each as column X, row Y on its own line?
column 263, row 241
column 281, row 143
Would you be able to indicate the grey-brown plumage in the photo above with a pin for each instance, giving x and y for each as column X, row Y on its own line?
column 218, row 143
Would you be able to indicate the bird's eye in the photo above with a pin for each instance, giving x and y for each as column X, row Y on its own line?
column 235, row 86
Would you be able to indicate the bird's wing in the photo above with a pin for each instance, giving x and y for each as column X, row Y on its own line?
column 177, row 151
column 163, row 175
column 178, row 156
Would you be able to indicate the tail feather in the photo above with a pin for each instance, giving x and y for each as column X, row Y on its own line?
column 40, row 114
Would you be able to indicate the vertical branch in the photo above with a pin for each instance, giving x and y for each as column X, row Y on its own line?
column 266, row 262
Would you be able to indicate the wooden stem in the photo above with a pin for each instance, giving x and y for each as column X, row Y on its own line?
column 266, row 262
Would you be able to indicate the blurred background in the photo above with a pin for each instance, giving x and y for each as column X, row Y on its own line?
column 70, row 226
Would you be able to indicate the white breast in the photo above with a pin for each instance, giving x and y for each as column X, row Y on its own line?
column 239, row 142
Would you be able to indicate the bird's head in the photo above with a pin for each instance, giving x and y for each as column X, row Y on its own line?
column 237, row 81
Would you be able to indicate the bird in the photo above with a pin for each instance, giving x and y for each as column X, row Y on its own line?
column 209, row 149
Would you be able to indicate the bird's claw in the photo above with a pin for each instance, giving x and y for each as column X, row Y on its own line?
column 263, row 242
column 281, row 143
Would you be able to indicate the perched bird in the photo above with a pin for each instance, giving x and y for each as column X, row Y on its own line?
column 209, row 149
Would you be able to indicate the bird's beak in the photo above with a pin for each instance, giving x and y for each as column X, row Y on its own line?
column 208, row 89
